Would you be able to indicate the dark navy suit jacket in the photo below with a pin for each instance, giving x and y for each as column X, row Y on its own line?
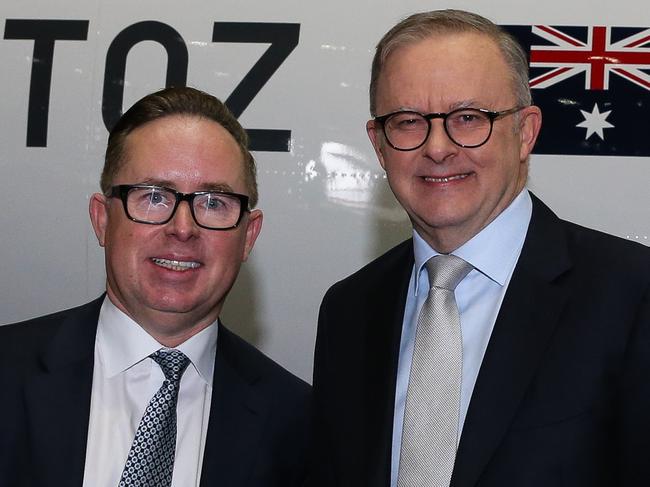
column 258, row 433
column 563, row 393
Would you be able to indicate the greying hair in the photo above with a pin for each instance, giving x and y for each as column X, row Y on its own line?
column 421, row 26
column 175, row 101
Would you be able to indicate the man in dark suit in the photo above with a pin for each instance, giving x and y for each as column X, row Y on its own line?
column 145, row 386
column 549, row 378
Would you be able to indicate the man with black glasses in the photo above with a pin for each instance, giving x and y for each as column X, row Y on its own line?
column 145, row 386
column 500, row 346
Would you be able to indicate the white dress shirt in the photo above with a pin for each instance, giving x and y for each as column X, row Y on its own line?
column 124, row 381
column 493, row 253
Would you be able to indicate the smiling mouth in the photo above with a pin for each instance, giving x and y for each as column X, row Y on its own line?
column 446, row 179
column 176, row 265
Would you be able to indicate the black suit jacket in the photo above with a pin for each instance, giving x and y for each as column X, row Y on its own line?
column 258, row 432
column 563, row 393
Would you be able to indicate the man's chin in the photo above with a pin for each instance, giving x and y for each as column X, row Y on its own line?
column 174, row 305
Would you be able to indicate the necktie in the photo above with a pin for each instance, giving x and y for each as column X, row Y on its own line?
column 430, row 431
column 151, row 458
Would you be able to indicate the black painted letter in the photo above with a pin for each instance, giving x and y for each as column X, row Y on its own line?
column 44, row 33
column 118, row 51
column 283, row 39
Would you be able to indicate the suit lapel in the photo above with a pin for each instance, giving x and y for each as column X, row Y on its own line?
column 237, row 418
column 382, row 339
column 58, row 400
column 526, row 321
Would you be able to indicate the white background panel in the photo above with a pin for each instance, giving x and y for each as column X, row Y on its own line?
column 327, row 206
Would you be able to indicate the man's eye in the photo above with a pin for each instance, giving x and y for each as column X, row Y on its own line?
column 407, row 122
column 151, row 198
column 469, row 119
column 213, row 204
column 157, row 198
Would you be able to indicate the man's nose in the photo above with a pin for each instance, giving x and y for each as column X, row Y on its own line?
column 438, row 145
column 182, row 224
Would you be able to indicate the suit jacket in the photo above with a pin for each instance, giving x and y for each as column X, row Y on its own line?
column 563, row 393
column 258, row 431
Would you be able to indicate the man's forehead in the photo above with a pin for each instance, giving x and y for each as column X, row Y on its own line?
column 462, row 62
column 169, row 151
column 181, row 131
column 177, row 121
column 455, row 42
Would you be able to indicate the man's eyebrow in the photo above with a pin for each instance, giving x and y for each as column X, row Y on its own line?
column 157, row 182
column 453, row 106
column 465, row 104
column 202, row 187
column 216, row 187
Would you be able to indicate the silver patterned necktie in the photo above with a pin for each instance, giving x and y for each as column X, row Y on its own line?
column 430, row 431
column 151, row 458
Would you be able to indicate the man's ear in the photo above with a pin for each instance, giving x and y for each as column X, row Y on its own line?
column 529, row 125
column 253, row 228
column 98, row 209
column 375, row 135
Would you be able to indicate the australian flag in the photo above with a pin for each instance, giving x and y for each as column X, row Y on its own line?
column 593, row 86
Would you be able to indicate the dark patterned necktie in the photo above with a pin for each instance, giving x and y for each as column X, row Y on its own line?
column 430, row 433
column 151, row 458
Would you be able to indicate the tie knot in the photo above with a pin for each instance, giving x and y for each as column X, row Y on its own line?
column 446, row 271
column 172, row 362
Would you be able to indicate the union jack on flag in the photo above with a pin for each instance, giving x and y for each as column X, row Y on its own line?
column 593, row 85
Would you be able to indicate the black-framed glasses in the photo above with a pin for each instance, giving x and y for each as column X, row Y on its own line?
column 465, row 127
column 156, row 205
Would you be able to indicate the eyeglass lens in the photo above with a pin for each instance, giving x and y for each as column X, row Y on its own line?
column 156, row 205
column 466, row 127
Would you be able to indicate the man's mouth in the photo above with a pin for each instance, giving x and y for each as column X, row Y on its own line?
column 446, row 179
column 176, row 265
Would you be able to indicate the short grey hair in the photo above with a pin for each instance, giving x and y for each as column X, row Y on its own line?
column 421, row 26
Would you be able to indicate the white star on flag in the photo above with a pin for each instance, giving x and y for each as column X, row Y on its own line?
column 595, row 122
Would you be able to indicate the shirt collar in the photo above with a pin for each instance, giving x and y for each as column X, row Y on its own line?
column 495, row 249
column 122, row 343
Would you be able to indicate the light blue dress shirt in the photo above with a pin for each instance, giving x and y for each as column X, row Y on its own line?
column 493, row 253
